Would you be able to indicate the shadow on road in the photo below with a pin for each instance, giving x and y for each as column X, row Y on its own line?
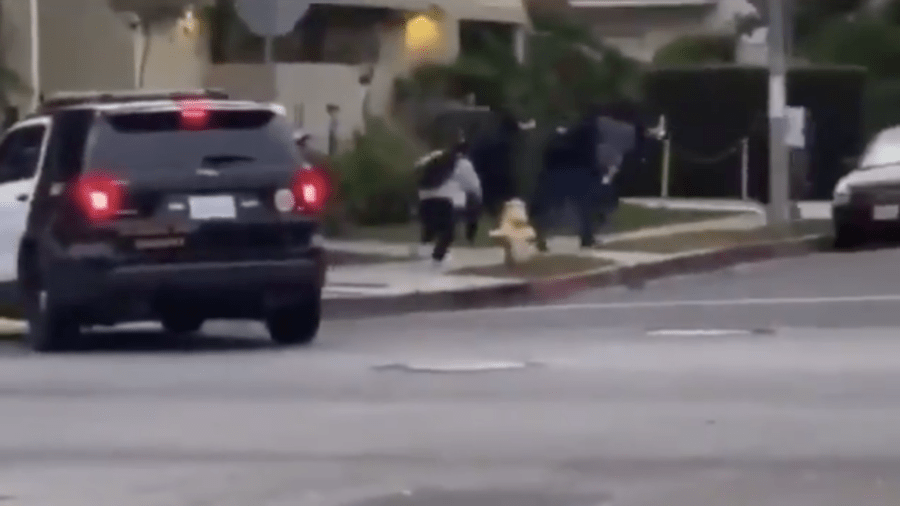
column 880, row 243
column 153, row 341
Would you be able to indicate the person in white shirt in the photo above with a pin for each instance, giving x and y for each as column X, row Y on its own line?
column 448, row 181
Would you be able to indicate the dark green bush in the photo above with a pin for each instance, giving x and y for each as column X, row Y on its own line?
column 867, row 42
column 375, row 181
column 697, row 49
column 881, row 106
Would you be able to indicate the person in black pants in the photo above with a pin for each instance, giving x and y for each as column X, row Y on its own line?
column 569, row 177
column 447, row 185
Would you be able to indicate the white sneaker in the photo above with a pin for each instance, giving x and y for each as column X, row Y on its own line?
column 442, row 265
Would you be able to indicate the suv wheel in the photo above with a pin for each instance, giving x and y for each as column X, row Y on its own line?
column 846, row 236
column 295, row 324
column 181, row 324
column 51, row 327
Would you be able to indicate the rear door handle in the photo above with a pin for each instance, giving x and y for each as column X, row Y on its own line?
column 23, row 197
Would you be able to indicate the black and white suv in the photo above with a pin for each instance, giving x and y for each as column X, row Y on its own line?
column 170, row 206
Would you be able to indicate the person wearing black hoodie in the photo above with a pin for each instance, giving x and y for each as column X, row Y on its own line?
column 569, row 176
column 492, row 155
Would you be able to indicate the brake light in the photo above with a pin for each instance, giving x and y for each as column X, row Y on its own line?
column 100, row 196
column 309, row 191
column 194, row 115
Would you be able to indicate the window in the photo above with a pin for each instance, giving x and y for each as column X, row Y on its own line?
column 154, row 142
column 20, row 153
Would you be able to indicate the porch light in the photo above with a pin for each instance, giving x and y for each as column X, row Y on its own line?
column 189, row 23
column 423, row 34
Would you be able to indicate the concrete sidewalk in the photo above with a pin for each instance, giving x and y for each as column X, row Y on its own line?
column 406, row 275
column 809, row 209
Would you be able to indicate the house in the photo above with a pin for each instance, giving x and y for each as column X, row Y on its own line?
column 344, row 52
column 88, row 44
column 639, row 28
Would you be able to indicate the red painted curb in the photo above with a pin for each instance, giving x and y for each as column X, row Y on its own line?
column 546, row 290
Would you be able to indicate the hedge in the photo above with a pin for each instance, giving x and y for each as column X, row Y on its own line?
column 711, row 108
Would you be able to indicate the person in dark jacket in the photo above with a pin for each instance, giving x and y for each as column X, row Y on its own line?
column 492, row 155
column 569, row 176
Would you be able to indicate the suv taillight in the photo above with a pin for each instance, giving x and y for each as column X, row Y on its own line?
column 100, row 197
column 307, row 194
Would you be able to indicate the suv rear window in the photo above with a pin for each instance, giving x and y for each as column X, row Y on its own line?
column 156, row 142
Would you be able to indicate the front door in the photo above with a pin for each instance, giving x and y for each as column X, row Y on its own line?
column 21, row 152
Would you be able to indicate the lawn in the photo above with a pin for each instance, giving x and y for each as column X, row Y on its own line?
column 539, row 267
column 713, row 239
column 628, row 217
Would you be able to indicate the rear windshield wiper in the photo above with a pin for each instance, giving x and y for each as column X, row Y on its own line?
column 216, row 160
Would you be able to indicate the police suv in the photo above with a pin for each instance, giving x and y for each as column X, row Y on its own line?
column 175, row 206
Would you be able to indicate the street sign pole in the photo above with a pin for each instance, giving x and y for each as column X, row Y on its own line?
column 267, row 51
column 779, row 159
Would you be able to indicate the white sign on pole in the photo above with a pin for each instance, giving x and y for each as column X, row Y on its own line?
column 271, row 18
column 795, row 136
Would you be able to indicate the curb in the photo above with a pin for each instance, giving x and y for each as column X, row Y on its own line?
column 535, row 292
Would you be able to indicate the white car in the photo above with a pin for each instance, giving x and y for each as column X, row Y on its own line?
column 867, row 200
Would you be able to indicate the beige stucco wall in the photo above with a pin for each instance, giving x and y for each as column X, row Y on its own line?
column 84, row 46
column 249, row 81
column 641, row 31
column 306, row 89
column 15, row 37
column 176, row 59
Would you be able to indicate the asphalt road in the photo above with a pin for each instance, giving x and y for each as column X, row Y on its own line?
column 773, row 384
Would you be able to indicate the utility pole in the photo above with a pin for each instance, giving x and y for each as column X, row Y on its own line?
column 35, row 14
column 778, row 212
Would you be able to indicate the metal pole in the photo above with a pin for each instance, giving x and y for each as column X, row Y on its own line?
column 779, row 183
column 666, row 168
column 745, row 169
column 267, row 49
column 35, row 54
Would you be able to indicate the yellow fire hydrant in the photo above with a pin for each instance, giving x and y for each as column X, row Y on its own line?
column 515, row 233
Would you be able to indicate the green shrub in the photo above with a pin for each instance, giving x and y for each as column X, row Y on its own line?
column 866, row 42
column 375, row 181
column 695, row 49
column 881, row 106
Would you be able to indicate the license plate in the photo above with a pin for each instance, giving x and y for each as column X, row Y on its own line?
column 891, row 212
column 211, row 208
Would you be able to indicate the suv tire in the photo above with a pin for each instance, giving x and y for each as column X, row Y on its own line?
column 51, row 327
column 181, row 324
column 846, row 236
column 296, row 324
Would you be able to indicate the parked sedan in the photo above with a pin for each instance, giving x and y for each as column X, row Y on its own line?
column 867, row 200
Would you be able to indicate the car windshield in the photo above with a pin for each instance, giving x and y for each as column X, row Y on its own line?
column 157, row 141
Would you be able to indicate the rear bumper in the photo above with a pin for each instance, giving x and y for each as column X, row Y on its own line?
column 88, row 281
